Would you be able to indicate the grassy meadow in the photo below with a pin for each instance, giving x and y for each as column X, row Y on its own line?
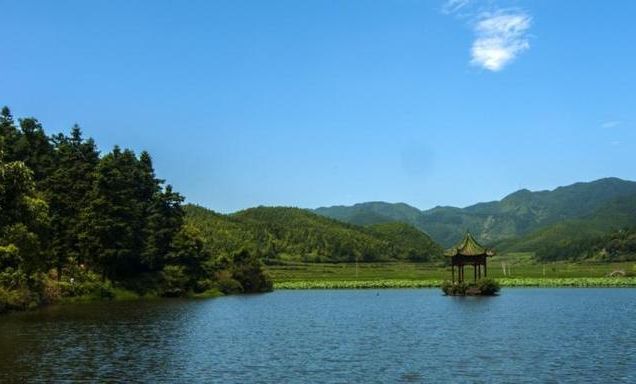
column 509, row 270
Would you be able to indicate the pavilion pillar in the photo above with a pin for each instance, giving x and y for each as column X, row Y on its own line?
column 453, row 272
column 475, row 271
column 485, row 270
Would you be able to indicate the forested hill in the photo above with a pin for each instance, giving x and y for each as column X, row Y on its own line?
column 374, row 212
column 607, row 234
column 281, row 234
column 518, row 214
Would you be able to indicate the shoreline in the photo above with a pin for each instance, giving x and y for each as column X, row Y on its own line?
column 578, row 282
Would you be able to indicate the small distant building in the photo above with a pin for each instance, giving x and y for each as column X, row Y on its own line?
column 468, row 252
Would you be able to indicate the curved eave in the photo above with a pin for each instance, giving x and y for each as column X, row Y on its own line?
column 455, row 252
column 469, row 247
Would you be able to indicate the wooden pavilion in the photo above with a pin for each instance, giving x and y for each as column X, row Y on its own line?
column 468, row 252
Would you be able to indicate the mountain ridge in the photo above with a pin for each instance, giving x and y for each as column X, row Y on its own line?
column 515, row 215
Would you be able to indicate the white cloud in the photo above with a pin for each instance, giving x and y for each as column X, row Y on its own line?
column 611, row 124
column 454, row 6
column 500, row 38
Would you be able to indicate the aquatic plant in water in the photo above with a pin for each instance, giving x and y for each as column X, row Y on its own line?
column 573, row 282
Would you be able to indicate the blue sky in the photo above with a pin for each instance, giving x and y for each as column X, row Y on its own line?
column 313, row 103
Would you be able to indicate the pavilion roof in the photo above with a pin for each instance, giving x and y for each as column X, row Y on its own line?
column 469, row 247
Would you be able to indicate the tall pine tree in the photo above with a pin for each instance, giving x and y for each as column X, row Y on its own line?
column 69, row 185
column 114, row 217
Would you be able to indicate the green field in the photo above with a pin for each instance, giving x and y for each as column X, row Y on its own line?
column 519, row 271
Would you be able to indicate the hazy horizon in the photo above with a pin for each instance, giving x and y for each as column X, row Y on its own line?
column 323, row 103
column 421, row 208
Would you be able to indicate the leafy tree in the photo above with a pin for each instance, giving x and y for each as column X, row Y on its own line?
column 24, row 218
column 248, row 271
column 188, row 250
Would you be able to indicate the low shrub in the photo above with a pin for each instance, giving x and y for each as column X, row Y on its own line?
column 51, row 291
column 124, row 294
column 17, row 299
column 144, row 284
column 248, row 270
column 203, row 285
column 487, row 287
column 175, row 281
column 87, row 289
column 454, row 288
column 227, row 284
column 11, row 278
column 483, row 287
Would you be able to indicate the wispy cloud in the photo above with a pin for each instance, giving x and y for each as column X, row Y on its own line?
column 500, row 38
column 500, row 34
column 611, row 124
column 454, row 6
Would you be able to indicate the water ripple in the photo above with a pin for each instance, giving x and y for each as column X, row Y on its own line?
column 406, row 336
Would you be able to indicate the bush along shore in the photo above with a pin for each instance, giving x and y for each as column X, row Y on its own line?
column 576, row 282
column 86, row 286
column 482, row 287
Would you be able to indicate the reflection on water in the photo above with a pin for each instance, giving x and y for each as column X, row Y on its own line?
column 408, row 336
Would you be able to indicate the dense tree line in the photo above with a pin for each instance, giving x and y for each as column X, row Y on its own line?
column 282, row 234
column 69, row 214
column 614, row 246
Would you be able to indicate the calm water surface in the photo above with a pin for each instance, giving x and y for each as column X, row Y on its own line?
column 364, row 336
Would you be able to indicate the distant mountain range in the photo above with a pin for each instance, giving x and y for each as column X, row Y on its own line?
column 520, row 221
column 579, row 221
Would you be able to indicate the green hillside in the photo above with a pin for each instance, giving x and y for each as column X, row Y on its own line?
column 605, row 235
column 281, row 234
column 407, row 240
column 516, row 215
column 572, row 222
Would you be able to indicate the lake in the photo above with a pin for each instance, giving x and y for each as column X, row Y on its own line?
column 340, row 336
